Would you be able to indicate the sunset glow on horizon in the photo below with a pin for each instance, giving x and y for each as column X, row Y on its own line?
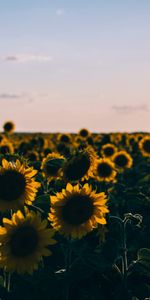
column 66, row 64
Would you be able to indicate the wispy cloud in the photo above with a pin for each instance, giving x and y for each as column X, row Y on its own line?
column 22, row 98
column 60, row 12
column 9, row 96
column 128, row 109
column 26, row 58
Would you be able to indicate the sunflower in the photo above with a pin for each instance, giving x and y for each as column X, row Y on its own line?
column 64, row 149
column 23, row 242
column 42, row 142
column 122, row 160
column 17, row 185
column 9, row 127
column 108, row 150
column 105, row 170
column 3, row 139
column 76, row 211
column 52, row 164
column 64, row 138
column 46, row 152
column 33, row 156
column 144, row 145
column 23, row 147
column 6, row 147
column 84, row 133
column 80, row 166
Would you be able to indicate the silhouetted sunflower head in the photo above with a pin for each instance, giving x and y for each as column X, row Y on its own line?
column 80, row 166
column 9, row 127
column 6, row 148
column 52, row 165
column 84, row 133
column 64, row 138
column 33, row 156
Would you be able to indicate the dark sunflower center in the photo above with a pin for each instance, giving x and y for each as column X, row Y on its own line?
column 104, row 170
column 32, row 156
column 77, row 167
column 146, row 146
column 121, row 160
column 24, row 241
column 84, row 133
column 65, row 139
column 77, row 210
column 4, row 149
column 8, row 126
column 109, row 151
column 12, row 185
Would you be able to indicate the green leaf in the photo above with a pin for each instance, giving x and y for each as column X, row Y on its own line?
column 144, row 253
column 55, row 163
column 43, row 202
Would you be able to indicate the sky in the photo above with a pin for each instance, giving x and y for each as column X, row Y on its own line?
column 67, row 64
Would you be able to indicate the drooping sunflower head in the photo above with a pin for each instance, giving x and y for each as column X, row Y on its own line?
column 17, row 185
column 80, row 166
column 76, row 211
column 144, row 146
column 23, row 147
column 84, row 133
column 47, row 151
column 23, row 242
column 122, row 160
column 105, row 170
column 108, row 150
column 42, row 142
column 9, row 127
column 52, row 164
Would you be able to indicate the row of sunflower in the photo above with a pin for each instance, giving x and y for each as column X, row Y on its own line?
column 71, row 208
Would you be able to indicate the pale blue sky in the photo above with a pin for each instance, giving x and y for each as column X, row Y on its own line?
column 70, row 64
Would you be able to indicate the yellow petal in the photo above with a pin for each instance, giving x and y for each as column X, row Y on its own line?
column 5, row 163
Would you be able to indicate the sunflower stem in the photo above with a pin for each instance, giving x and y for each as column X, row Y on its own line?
column 5, row 278
column 67, row 267
column 46, row 186
column 38, row 209
column 9, row 282
column 104, row 187
column 124, row 257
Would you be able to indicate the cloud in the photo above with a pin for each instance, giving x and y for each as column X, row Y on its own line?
column 128, row 109
column 22, row 98
column 60, row 12
column 25, row 58
column 9, row 96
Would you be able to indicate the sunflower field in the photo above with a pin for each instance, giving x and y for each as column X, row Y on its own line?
column 75, row 216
